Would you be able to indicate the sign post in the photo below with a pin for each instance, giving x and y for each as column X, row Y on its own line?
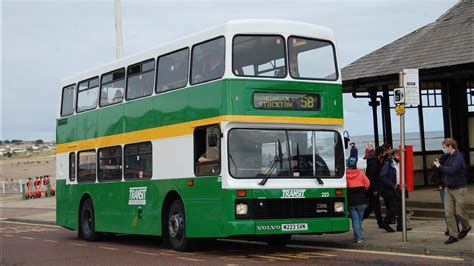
column 408, row 94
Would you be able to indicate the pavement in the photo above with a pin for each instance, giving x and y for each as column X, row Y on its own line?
column 427, row 236
column 42, row 210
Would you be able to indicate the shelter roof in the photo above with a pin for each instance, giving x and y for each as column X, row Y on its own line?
column 448, row 41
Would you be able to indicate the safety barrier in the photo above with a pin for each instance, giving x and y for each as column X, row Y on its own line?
column 12, row 186
column 35, row 188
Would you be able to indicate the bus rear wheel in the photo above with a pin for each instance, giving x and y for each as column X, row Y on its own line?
column 87, row 222
column 278, row 241
column 177, row 227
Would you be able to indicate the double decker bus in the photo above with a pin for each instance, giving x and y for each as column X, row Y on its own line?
column 231, row 132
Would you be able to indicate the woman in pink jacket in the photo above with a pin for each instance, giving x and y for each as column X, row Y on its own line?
column 357, row 185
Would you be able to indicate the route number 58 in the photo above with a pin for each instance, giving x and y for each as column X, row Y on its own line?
column 307, row 102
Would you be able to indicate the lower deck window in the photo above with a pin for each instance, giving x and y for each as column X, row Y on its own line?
column 86, row 166
column 138, row 160
column 110, row 163
column 72, row 167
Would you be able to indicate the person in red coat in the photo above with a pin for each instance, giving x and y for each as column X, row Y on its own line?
column 357, row 186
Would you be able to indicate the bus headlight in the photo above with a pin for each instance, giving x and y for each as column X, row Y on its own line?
column 241, row 209
column 338, row 206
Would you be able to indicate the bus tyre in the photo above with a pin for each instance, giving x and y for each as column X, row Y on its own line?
column 87, row 222
column 177, row 227
column 278, row 241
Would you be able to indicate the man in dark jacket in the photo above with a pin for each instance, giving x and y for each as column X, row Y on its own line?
column 374, row 166
column 354, row 153
column 388, row 190
column 454, row 170
column 438, row 178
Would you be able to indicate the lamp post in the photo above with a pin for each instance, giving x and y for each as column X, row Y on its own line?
column 118, row 29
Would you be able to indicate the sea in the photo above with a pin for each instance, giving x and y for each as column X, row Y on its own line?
column 433, row 141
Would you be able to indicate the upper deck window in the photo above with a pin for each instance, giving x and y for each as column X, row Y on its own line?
column 208, row 61
column 67, row 106
column 87, row 96
column 312, row 59
column 140, row 79
column 259, row 56
column 172, row 71
column 112, row 87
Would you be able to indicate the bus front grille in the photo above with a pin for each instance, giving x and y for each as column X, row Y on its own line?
column 259, row 209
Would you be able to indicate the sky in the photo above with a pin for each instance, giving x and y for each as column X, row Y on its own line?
column 45, row 41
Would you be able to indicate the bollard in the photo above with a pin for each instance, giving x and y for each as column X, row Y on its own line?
column 21, row 186
column 3, row 186
column 23, row 193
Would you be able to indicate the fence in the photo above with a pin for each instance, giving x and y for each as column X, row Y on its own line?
column 30, row 188
column 12, row 186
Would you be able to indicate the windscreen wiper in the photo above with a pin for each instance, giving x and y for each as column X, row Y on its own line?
column 278, row 158
column 320, row 181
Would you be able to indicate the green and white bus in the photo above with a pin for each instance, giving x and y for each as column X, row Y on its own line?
column 231, row 132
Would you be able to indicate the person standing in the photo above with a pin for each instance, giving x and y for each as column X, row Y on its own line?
column 374, row 166
column 396, row 164
column 388, row 190
column 369, row 151
column 357, row 184
column 456, row 190
column 439, row 179
column 354, row 153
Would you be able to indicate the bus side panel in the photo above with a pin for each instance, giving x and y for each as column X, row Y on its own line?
column 107, row 207
column 138, row 114
column 169, row 108
column 68, row 202
column 111, row 121
column 66, row 129
column 141, row 217
column 206, row 101
column 204, row 206
column 87, row 125
column 66, row 210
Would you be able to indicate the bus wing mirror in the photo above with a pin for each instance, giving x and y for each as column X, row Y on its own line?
column 346, row 139
column 212, row 140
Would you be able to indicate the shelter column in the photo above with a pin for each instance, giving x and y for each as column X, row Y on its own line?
column 387, row 127
column 374, row 103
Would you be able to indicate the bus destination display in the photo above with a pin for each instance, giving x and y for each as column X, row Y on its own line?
column 287, row 101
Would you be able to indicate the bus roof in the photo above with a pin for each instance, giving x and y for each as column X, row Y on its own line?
column 230, row 28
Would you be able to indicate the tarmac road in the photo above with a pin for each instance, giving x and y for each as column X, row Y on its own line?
column 25, row 243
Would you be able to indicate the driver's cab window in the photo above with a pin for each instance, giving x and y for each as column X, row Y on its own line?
column 207, row 150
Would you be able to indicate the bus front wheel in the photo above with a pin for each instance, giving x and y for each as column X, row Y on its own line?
column 177, row 227
column 87, row 221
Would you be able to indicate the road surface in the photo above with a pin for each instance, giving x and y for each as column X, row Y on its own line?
column 23, row 243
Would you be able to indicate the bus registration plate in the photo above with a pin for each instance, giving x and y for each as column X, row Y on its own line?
column 294, row 227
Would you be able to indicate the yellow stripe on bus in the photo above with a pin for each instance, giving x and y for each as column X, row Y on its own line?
column 183, row 129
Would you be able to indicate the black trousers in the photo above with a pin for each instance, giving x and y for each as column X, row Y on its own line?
column 394, row 208
column 374, row 206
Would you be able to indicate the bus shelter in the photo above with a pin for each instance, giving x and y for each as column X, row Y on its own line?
column 443, row 51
